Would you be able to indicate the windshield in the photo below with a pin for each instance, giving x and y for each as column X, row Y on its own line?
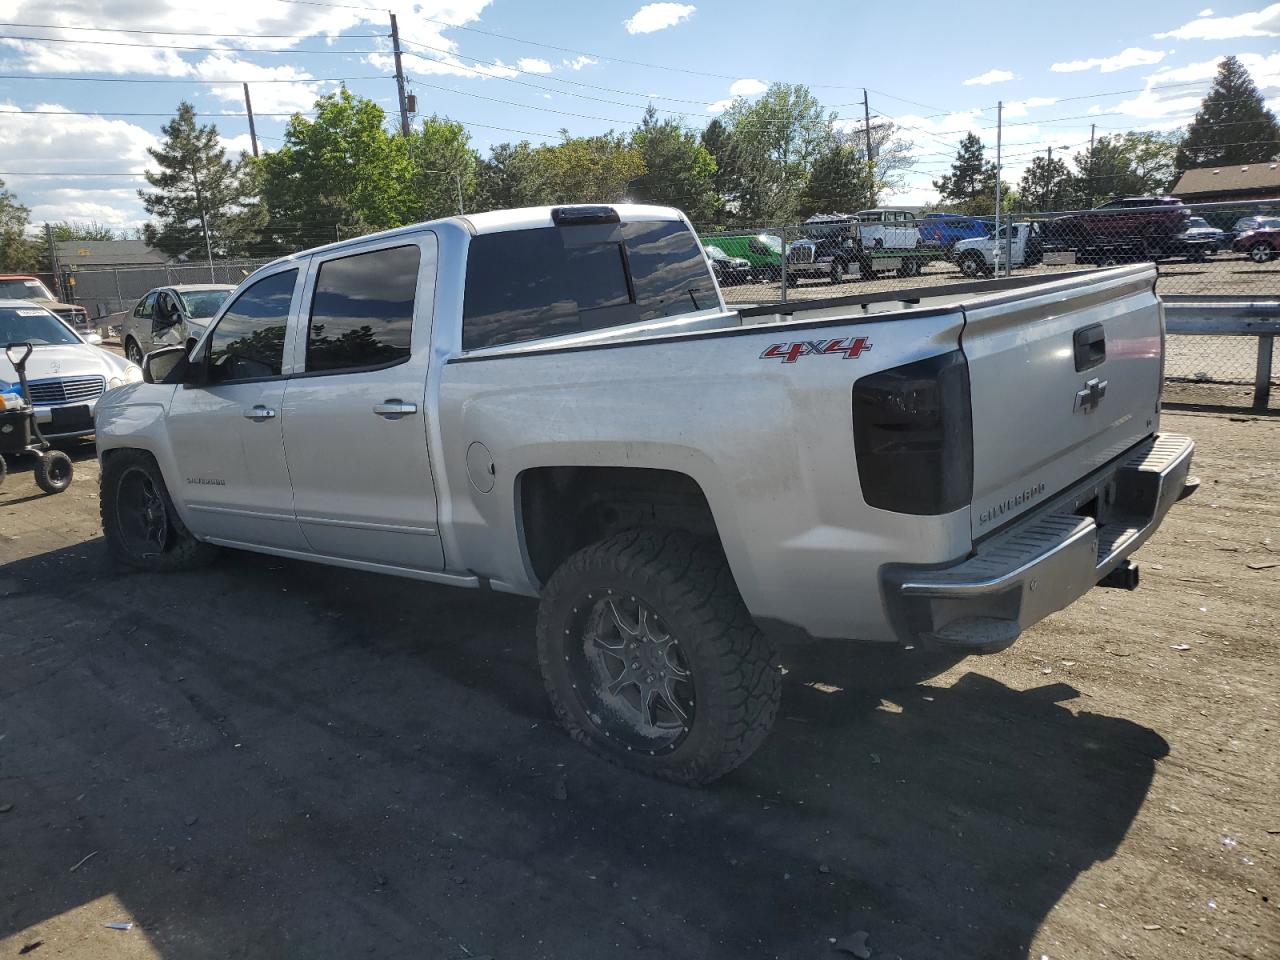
column 715, row 253
column 35, row 326
column 203, row 304
column 25, row 289
column 770, row 241
column 1197, row 222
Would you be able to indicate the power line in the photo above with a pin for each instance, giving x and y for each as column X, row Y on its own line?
column 67, row 79
column 189, row 33
column 178, row 46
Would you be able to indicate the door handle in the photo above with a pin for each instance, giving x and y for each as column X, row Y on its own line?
column 259, row 413
column 395, row 409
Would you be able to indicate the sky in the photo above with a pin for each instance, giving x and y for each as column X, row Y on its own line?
column 72, row 148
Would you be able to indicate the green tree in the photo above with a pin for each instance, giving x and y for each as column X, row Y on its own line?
column 341, row 174
column 970, row 187
column 1233, row 125
column 776, row 139
column 727, row 179
column 1047, row 185
column 596, row 169
column 838, row 182
column 69, row 230
column 444, row 168
column 1130, row 164
column 510, row 177
column 18, row 253
column 678, row 170
column 197, row 186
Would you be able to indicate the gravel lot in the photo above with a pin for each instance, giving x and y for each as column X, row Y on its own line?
column 273, row 759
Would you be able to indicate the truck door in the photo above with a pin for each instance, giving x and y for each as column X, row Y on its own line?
column 226, row 434
column 355, row 416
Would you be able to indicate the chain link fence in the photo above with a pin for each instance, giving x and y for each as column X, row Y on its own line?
column 109, row 292
column 1211, row 252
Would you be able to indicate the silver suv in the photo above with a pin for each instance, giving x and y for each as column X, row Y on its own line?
column 167, row 316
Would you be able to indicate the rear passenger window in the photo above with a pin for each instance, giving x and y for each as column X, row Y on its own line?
column 549, row 281
column 362, row 310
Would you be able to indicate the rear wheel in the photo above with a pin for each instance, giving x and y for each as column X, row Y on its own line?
column 973, row 265
column 651, row 659
column 910, row 268
column 1261, row 253
column 142, row 527
column 837, row 272
column 53, row 471
column 133, row 352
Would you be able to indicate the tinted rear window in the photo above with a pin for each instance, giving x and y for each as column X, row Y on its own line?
column 530, row 284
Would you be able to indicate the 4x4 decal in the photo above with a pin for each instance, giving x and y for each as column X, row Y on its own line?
column 791, row 352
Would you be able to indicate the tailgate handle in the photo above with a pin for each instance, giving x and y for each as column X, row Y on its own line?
column 1091, row 347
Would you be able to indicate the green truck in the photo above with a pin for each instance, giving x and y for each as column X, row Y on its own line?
column 762, row 250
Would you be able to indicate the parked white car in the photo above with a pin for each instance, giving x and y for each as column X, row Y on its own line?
column 167, row 316
column 67, row 372
column 888, row 229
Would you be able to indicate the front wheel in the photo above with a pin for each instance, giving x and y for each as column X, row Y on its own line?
column 651, row 659
column 141, row 526
column 1261, row 253
column 837, row 272
column 133, row 352
column 53, row 471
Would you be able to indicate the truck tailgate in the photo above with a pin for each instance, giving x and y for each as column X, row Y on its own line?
column 1061, row 382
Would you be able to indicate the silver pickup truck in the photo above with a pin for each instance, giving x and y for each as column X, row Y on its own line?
column 555, row 402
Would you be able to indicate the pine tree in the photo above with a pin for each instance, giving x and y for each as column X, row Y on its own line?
column 18, row 253
column 197, row 186
column 971, row 184
column 1233, row 126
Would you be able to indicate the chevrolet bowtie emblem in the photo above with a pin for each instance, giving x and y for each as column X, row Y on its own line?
column 1088, row 398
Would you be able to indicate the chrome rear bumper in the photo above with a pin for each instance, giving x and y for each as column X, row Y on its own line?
column 1045, row 561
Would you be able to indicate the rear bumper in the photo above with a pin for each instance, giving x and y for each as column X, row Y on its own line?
column 1045, row 561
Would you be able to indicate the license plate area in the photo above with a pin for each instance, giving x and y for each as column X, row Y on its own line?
column 70, row 419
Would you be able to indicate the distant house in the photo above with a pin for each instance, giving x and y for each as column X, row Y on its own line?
column 82, row 254
column 1254, row 181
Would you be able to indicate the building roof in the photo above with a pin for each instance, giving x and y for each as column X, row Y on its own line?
column 1254, row 176
column 97, row 253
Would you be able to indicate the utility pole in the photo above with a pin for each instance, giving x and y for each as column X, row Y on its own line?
column 871, row 161
column 404, row 105
column 248, row 108
column 999, row 132
column 53, row 258
column 1093, row 161
column 1048, row 174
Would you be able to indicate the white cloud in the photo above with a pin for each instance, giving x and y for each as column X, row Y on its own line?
column 241, row 143
column 1129, row 57
column 658, row 16
column 746, row 88
column 67, row 144
column 1174, row 93
column 533, row 65
column 720, row 106
column 1206, row 12
column 1259, row 23
column 988, row 78
column 1015, row 109
column 577, row 63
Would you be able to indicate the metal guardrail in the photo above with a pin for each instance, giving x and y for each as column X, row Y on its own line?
column 1230, row 317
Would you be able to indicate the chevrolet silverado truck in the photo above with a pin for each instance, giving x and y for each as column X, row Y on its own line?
column 555, row 402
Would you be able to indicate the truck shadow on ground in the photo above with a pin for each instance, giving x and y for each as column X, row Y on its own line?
column 277, row 759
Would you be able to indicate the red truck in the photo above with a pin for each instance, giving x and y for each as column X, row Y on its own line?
column 1149, row 227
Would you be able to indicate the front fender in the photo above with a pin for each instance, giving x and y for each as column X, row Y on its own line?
column 135, row 417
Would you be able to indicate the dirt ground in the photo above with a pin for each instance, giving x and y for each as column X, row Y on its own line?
column 270, row 759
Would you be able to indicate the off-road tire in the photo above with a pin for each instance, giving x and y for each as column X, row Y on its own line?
column 53, row 471
column 687, row 582
column 182, row 551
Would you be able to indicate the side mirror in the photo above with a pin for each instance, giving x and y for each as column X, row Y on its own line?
column 93, row 339
column 159, row 365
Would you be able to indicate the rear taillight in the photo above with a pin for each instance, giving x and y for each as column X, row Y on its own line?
column 913, row 433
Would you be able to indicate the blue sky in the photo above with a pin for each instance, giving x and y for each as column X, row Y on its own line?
column 935, row 68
